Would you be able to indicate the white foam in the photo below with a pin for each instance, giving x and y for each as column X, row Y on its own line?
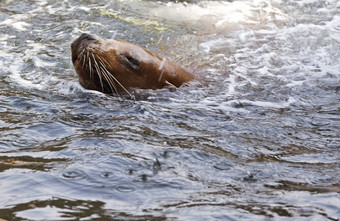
column 45, row 213
column 281, row 104
column 244, row 36
column 18, row 21
column 218, row 15
column 334, row 26
column 15, row 75
column 12, row 65
column 206, row 46
column 15, row 63
column 232, row 85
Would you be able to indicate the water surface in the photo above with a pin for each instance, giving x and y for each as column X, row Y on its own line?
column 256, row 137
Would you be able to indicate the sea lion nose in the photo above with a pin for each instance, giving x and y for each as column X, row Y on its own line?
column 86, row 36
column 75, row 46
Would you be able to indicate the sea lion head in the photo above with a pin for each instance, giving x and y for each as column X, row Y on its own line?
column 113, row 66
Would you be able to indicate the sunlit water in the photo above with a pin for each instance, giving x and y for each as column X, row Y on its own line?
column 255, row 137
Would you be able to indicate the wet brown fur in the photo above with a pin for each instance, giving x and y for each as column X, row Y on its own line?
column 112, row 66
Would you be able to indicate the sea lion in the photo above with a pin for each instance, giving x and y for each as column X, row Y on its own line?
column 114, row 66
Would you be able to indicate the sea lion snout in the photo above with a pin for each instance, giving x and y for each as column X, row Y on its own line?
column 82, row 41
column 86, row 36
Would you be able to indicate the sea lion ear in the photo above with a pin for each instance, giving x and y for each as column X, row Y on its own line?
column 134, row 63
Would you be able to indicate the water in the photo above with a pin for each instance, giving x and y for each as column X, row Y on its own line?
column 256, row 137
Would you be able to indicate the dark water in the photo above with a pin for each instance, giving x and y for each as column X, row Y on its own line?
column 256, row 138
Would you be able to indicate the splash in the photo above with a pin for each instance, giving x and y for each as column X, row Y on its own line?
column 220, row 16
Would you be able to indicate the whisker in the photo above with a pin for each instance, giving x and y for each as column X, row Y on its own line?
column 98, row 72
column 169, row 84
column 110, row 82
column 90, row 66
column 107, row 77
column 83, row 58
column 97, row 65
column 88, row 57
column 160, row 77
column 103, row 61
column 115, row 79
column 161, row 65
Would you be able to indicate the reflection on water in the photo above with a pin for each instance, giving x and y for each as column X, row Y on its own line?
column 66, row 209
column 256, row 136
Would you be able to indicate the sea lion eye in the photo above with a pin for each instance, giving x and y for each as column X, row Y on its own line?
column 132, row 61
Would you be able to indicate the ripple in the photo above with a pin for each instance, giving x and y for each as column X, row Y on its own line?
column 319, row 123
column 109, row 176
column 74, row 174
column 108, row 196
column 223, row 166
column 125, row 188
column 265, row 110
column 106, row 174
